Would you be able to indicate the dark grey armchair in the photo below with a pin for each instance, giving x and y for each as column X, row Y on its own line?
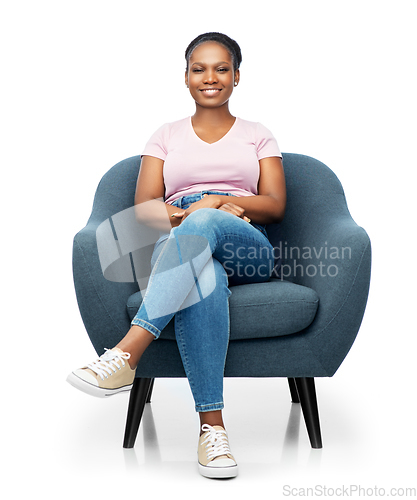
column 299, row 325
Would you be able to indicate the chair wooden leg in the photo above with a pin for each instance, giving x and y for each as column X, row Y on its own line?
column 138, row 397
column 307, row 394
column 148, row 399
column 293, row 391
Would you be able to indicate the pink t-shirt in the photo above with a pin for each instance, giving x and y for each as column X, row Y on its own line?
column 192, row 165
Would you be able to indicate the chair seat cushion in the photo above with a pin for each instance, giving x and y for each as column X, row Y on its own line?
column 283, row 308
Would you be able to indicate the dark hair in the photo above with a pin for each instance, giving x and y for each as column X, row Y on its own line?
column 227, row 42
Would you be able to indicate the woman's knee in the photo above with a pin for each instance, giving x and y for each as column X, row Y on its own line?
column 202, row 218
column 209, row 223
column 199, row 231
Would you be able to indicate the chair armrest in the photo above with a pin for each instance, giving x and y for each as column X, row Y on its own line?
column 337, row 265
column 102, row 303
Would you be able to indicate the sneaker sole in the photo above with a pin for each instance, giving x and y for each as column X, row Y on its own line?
column 218, row 472
column 93, row 390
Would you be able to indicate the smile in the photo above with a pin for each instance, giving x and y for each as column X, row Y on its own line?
column 210, row 91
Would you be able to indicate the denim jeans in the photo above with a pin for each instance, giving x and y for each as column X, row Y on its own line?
column 192, row 268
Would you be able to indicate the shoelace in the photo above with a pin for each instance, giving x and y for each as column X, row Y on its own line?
column 217, row 442
column 108, row 363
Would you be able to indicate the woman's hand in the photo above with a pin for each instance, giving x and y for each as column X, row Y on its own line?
column 235, row 210
column 211, row 201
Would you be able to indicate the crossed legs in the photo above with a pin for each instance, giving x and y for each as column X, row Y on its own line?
column 191, row 273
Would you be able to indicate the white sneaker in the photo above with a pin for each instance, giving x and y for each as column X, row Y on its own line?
column 214, row 457
column 108, row 375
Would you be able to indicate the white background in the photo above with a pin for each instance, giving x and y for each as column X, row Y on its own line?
column 84, row 84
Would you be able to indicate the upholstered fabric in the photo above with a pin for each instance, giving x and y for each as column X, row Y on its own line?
column 284, row 308
column 321, row 247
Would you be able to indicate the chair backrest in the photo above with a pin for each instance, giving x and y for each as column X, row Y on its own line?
column 116, row 190
column 314, row 195
column 313, row 191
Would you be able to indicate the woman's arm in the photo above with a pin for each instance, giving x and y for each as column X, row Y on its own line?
column 150, row 208
column 267, row 207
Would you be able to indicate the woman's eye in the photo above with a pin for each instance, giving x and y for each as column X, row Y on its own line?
column 196, row 70
column 223, row 69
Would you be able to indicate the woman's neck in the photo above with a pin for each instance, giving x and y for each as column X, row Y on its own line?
column 212, row 117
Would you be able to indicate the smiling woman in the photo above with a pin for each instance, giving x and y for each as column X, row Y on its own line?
column 211, row 74
column 209, row 183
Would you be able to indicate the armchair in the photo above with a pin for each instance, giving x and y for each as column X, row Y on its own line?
column 311, row 309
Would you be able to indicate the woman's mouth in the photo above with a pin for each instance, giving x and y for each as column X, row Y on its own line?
column 210, row 92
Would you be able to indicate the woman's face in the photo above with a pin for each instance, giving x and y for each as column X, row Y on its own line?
column 210, row 76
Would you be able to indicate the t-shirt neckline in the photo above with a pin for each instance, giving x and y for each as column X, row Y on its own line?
column 212, row 143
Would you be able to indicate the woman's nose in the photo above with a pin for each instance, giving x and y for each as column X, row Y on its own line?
column 210, row 77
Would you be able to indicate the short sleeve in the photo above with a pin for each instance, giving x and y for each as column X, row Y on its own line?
column 266, row 144
column 158, row 143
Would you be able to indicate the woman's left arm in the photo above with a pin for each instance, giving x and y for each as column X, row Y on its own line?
column 268, row 206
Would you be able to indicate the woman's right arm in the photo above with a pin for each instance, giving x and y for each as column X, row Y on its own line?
column 150, row 208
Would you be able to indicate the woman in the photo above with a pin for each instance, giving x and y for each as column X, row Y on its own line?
column 210, row 183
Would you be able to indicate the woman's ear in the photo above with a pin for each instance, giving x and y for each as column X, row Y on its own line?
column 186, row 78
column 237, row 77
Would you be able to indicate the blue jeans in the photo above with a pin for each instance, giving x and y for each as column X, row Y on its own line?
column 192, row 269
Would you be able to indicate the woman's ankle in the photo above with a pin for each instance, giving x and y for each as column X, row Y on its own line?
column 211, row 418
column 135, row 343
